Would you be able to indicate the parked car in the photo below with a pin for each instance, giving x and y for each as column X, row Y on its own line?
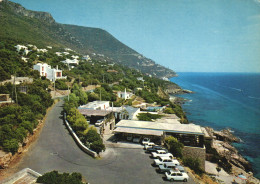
column 129, row 138
column 137, row 139
column 149, row 145
column 99, row 122
column 166, row 167
column 176, row 176
column 163, row 160
column 161, row 153
column 154, row 148
column 180, row 168
column 145, row 141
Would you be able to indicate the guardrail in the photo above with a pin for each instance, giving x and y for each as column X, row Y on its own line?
column 79, row 143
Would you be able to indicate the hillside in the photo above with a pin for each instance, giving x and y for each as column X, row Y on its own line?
column 26, row 26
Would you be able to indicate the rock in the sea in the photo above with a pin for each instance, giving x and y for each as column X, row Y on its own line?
column 226, row 135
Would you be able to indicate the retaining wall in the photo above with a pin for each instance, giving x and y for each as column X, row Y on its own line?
column 195, row 152
column 80, row 144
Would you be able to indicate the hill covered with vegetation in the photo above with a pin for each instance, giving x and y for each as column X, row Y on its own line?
column 39, row 28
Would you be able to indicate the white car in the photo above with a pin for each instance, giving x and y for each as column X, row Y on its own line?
column 145, row 141
column 149, row 145
column 99, row 122
column 161, row 153
column 176, row 176
column 165, row 160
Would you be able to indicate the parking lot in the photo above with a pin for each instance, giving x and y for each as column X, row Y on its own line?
column 56, row 150
column 135, row 165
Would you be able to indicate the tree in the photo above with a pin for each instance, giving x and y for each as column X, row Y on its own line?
column 92, row 136
column 175, row 147
column 98, row 146
column 11, row 145
column 56, row 178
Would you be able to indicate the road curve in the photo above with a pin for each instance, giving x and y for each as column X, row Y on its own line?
column 55, row 149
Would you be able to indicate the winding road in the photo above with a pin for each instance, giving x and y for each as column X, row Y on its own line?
column 55, row 149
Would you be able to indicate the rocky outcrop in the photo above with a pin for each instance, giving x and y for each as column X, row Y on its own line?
column 5, row 159
column 226, row 150
column 226, row 135
column 18, row 9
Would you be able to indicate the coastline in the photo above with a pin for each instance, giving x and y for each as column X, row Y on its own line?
column 222, row 142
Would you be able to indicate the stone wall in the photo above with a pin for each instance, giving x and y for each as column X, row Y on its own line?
column 195, row 152
column 80, row 144
column 109, row 126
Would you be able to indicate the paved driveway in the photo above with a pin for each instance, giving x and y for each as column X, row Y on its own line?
column 56, row 150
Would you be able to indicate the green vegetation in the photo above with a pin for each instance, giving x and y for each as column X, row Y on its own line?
column 54, row 177
column 60, row 84
column 174, row 146
column 87, row 135
column 93, row 139
column 177, row 109
column 12, row 64
column 194, row 164
column 148, row 116
column 42, row 30
column 17, row 120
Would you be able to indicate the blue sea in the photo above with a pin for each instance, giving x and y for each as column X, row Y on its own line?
column 226, row 100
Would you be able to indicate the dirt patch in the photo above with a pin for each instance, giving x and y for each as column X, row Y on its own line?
column 16, row 158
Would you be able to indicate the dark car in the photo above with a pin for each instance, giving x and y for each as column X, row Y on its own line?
column 154, row 148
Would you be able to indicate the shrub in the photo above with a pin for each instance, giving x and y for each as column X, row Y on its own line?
column 98, row 146
column 60, row 84
column 148, row 116
column 194, row 164
column 56, row 178
column 92, row 136
column 11, row 145
column 174, row 146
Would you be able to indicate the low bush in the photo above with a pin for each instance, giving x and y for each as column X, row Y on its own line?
column 148, row 116
column 194, row 164
column 56, row 178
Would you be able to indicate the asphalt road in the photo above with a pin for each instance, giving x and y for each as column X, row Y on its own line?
column 56, row 150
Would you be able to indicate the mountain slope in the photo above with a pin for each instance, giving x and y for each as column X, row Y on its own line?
column 40, row 28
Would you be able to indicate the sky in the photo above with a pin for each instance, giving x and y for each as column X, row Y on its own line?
column 184, row 35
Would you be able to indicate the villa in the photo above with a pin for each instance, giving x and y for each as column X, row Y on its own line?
column 48, row 72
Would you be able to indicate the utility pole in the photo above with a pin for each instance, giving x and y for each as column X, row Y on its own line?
column 103, row 78
column 15, row 90
column 54, row 88
column 68, row 92
column 100, row 94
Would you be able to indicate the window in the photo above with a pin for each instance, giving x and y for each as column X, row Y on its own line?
column 179, row 174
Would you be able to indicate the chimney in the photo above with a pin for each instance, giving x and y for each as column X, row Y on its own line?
column 57, row 67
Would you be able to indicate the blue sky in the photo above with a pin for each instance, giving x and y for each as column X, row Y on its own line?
column 184, row 35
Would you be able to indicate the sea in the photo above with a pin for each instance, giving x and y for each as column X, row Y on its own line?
column 226, row 100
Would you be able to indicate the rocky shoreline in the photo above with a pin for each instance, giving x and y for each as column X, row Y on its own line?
column 222, row 143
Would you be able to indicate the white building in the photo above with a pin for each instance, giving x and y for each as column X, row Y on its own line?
column 58, row 53
column 19, row 47
column 48, row 72
column 49, row 47
column 96, row 105
column 87, row 58
column 68, row 49
column 75, row 57
column 42, row 50
column 125, row 95
column 70, row 61
column 66, row 53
